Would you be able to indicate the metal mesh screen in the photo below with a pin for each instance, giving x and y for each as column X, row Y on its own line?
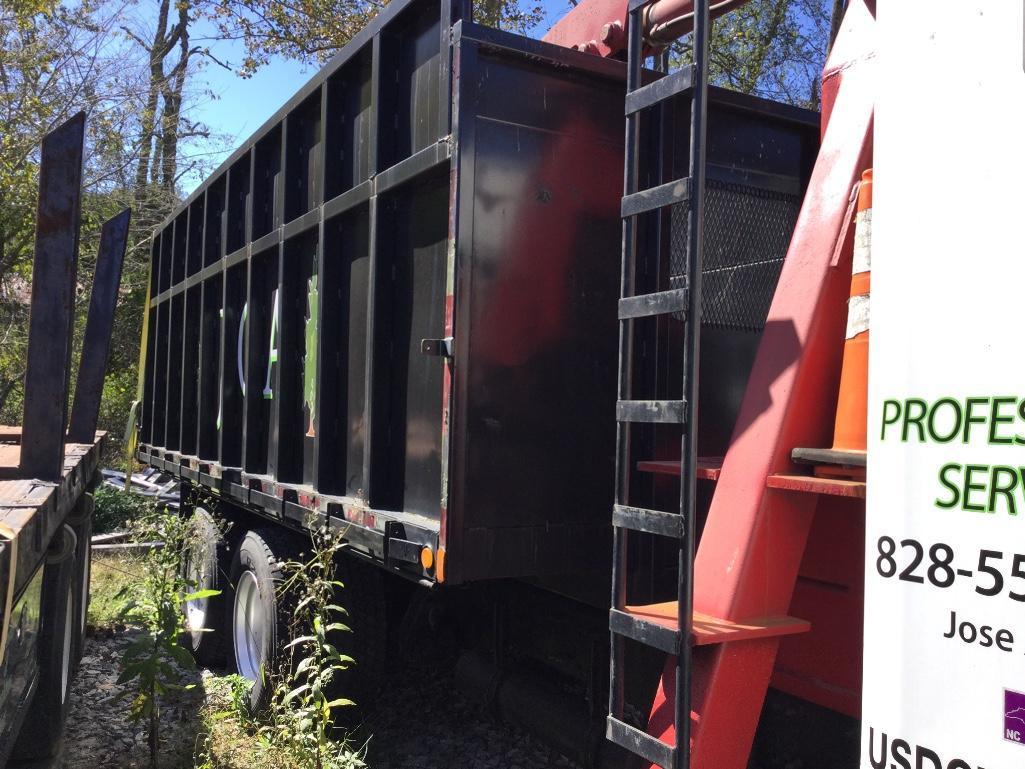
column 747, row 231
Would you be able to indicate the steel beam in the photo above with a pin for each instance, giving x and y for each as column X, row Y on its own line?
column 85, row 409
column 52, row 313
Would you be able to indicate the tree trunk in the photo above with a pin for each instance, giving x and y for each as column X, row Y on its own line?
column 157, row 54
column 174, row 85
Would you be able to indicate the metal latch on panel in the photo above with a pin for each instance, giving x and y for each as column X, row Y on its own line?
column 397, row 548
column 439, row 347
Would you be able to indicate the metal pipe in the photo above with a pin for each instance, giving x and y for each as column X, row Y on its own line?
column 666, row 20
column 601, row 26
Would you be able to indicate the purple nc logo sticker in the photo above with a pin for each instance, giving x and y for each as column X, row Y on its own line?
column 1014, row 716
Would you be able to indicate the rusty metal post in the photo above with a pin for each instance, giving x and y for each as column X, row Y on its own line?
column 51, row 319
column 85, row 409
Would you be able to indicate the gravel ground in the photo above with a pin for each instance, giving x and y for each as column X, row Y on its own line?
column 432, row 726
column 420, row 722
column 98, row 731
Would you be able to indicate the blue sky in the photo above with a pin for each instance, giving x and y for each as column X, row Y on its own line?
column 237, row 107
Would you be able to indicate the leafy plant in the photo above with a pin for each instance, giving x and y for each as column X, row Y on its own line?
column 156, row 661
column 238, row 689
column 303, row 708
column 116, row 509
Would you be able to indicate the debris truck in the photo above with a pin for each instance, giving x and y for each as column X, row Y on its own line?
column 571, row 348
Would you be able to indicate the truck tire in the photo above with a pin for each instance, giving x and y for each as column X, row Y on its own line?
column 206, row 565
column 363, row 598
column 43, row 727
column 81, row 520
column 259, row 614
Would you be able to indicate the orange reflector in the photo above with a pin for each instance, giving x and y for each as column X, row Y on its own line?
column 439, row 571
column 427, row 558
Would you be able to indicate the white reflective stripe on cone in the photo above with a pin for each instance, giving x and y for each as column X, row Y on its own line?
column 862, row 242
column 857, row 315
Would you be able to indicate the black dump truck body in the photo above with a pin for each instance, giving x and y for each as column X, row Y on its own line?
column 394, row 309
column 393, row 291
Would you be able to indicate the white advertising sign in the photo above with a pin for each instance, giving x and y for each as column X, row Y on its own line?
column 944, row 684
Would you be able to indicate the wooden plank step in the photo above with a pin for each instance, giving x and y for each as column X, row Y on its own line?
column 814, row 485
column 662, row 617
column 708, row 467
column 829, row 457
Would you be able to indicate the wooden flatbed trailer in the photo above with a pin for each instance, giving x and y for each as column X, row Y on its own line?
column 50, row 463
column 44, row 564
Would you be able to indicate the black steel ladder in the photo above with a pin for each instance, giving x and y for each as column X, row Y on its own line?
column 683, row 300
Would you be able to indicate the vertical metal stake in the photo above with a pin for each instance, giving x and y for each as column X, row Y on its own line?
column 85, row 409
column 52, row 316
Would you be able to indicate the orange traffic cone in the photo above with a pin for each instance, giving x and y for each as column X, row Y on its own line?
column 851, row 428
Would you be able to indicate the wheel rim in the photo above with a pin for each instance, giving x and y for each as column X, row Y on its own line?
column 196, row 610
column 250, row 629
column 69, row 624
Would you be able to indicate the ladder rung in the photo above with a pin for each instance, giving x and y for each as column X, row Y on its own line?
column 647, row 305
column 665, row 412
column 648, row 521
column 708, row 468
column 655, row 634
column 656, row 197
column 639, row 743
column 662, row 89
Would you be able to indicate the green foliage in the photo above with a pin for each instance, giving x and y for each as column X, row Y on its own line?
column 56, row 58
column 116, row 509
column 111, row 578
column 770, row 48
column 238, row 688
column 231, row 738
column 312, row 31
column 302, row 710
column 155, row 663
column 118, row 394
column 520, row 17
column 307, row 30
